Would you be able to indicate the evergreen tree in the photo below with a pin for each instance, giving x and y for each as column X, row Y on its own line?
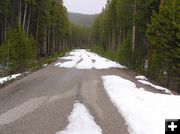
column 18, row 51
column 162, row 33
column 121, row 30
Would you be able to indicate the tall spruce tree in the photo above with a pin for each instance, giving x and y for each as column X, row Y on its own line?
column 162, row 33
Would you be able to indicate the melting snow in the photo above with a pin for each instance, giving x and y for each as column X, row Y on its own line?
column 82, row 59
column 81, row 122
column 8, row 78
column 73, row 61
column 45, row 65
column 143, row 111
column 144, row 80
column 141, row 77
column 155, row 86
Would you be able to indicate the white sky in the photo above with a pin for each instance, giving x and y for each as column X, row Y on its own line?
column 85, row 6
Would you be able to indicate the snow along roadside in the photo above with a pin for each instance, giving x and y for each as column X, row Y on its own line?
column 8, row 78
column 144, row 80
column 143, row 111
column 81, row 122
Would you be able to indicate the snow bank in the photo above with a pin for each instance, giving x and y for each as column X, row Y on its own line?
column 155, row 86
column 82, row 59
column 144, row 80
column 8, row 78
column 103, row 63
column 141, row 77
column 45, row 65
column 143, row 111
column 81, row 122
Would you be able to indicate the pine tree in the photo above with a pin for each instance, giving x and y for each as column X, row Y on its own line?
column 18, row 52
column 162, row 33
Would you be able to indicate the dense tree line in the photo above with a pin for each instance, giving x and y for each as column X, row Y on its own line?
column 45, row 21
column 30, row 29
column 143, row 35
column 164, row 35
column 80, row 36
column 82, row 19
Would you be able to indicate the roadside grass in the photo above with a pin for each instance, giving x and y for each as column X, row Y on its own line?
column 40, row 62
column 34, row 66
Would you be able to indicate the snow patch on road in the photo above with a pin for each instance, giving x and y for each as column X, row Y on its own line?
column 86, row 62
column 8, row 78
column 103, row 63
column 82, row 59
column 143, row 111
column 81, row 122
column 74, row 58
column 69, row 64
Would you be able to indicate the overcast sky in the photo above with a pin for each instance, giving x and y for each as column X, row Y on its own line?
column 85, row 6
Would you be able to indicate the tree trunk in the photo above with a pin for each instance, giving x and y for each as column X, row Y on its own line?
column 169, row 77
column 124, row 34
column 37, row 30
column 20, row 12
column 120, row 31
column 149, row 55
column 48, row 40
column 113, row 41
column 161, row 4
column 2, row 34
column 45, row 43
column 5, row 27
column 134, row 27
column 24, row 19
column 53, row 39
column 29, row 18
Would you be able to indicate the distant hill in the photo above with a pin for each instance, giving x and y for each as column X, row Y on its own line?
column 82, row 19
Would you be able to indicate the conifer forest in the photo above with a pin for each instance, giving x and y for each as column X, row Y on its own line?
column 143, row 35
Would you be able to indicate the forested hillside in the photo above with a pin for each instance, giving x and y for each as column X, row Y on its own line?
column 31, row 29
column 143, row 35
column 82, row 19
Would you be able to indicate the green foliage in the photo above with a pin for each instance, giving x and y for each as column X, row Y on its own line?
column 38, row 64
column 4, row 7
column 113, row 28
column 79, row 36
column 18, row 52
column 82, row 19
column 125, row 52
column 157, row 46
column 43, row 30
column 163, row 34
